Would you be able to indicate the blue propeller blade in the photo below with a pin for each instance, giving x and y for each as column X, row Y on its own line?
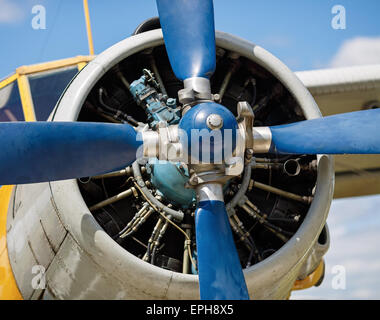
column 219, row 269
column 189, row 34
column 351, row 133
column 34, row 152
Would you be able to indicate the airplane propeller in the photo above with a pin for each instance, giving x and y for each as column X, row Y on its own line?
column 189, row 35
column 34, row 152
column 354, row 132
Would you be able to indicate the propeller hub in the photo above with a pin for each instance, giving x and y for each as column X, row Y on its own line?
column 208, row 133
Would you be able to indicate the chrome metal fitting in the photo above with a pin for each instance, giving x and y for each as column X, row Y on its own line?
column 262, row 139
column 210, row 192
column 169, row 146
column 245, row 121
column 163, row 144
column 196, row 88
column 150, row 144
column 214, row 121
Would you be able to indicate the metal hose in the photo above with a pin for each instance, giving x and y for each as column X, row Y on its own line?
column 241, row 192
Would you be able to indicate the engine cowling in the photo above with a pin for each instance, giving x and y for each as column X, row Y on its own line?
column 80, row 247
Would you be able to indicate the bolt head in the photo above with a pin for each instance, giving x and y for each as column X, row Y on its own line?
column 214, row 121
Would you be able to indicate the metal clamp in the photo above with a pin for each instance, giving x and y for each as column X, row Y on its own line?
column 195, row 89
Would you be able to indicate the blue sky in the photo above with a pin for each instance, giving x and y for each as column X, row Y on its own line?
column 299, row 32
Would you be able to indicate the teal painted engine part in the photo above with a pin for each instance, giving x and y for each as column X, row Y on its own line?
column 158, row 107
column 170, row 179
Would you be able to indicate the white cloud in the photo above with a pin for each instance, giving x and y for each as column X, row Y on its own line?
column 357, row 51
column 10, row 12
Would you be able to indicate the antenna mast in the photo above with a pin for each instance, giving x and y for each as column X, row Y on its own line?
column 88, row 26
